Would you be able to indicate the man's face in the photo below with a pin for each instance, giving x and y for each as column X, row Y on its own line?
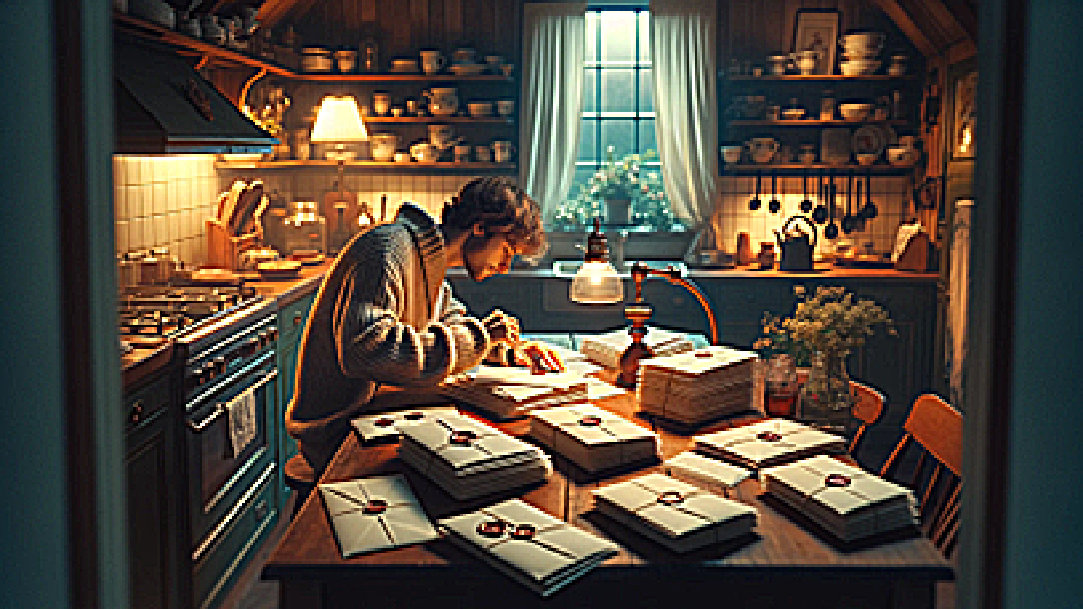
column 487, row 253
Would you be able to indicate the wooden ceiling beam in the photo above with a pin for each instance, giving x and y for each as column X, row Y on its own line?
column 907, row 26
column 964, row 15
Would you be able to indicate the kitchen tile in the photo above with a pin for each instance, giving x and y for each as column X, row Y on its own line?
column 120, row 202
column 137, row 229
column 121, row 236
column 160, row 229
column 159, row 198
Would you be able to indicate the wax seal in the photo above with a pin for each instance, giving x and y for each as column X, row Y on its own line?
column 704, row 354
column 384, row 422
column 768, row 436
column 837, row 480
column 375, row 506
column 670, row 498
column 462, row 437
column 413, row 416
column 491, row 528
column 590, row 421
column 523, row 531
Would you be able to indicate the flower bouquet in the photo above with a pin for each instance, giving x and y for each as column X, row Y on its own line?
column 621, row 192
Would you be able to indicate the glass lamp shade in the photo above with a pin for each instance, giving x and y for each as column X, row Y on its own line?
column 338, row 120
column 596, row 283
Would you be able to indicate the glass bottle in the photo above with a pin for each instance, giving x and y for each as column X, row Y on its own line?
column 370, row 55
column 825, row 397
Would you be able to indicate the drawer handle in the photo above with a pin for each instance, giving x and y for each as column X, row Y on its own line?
column 137, row 411
column 219, row 410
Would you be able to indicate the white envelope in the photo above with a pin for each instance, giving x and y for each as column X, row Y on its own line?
column 377, row 513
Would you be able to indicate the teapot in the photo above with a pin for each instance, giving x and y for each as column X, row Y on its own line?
column 762, row 149
column 795, row 247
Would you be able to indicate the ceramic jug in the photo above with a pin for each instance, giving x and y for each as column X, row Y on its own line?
column 762, row 149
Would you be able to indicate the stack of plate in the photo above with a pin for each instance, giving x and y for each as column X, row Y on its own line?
column 509, row 392
column 677, row 515
column 846, row 501
column 696, row 386
column 592, row 438
column 469, row 459
column 607, row 348
column 769, row 442
column 532, row 547
column 859, row 52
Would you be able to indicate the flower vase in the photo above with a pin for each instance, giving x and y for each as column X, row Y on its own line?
column 825, row 398
column 618, row 211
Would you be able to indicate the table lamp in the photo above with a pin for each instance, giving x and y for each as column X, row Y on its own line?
column 338, row 122
column 594, row 284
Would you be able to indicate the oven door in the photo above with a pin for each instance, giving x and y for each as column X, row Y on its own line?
column 217, row 477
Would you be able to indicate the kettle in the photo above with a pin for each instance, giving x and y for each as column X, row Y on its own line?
column 795, row 249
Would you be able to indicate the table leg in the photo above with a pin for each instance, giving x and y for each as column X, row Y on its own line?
column 913, row 594
column 300, row 594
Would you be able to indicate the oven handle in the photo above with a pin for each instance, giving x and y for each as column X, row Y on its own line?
column 220, row 409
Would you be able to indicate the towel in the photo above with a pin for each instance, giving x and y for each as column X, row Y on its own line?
column 241, row 412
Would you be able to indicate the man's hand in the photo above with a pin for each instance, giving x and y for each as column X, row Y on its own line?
column 541, row 358
column 501, row 327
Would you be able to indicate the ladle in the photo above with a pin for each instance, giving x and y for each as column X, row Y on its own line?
column 774, row 204
column 832, row 230
column 869, row 211
column 819, row 215
column 806, row 203
column 848, row 220
column 754, row 204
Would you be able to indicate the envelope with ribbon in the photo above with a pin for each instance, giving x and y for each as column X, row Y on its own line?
column 675, row 514
column 593, row 438
column 376, row 513
column 387, row 425
column 769, row 442
column 469, row 459
column 845, row 500
column 529, row 545
column 709, row 473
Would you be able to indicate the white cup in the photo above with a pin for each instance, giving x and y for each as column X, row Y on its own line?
column 432, row 61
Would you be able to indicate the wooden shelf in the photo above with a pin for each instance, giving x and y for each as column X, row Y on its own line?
column 412, row 165
column 477, row 120
column 385, row 77
column 812, row 168
column 811, row 123
column 814, row 77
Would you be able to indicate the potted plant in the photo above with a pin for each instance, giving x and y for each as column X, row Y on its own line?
column 621, row 192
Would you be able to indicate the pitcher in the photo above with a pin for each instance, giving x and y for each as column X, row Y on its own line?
column 762, row 149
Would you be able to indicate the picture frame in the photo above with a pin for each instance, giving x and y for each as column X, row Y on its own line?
column 817, row 29
column 963, row 115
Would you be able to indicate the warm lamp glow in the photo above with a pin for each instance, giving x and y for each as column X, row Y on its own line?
column 338, row 120
column 596, row 283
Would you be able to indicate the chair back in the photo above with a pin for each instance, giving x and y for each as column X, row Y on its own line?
column 935, row 429
column 868, row 408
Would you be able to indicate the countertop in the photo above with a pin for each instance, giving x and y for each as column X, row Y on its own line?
column 820, row 270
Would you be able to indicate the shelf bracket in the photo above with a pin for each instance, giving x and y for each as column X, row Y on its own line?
column 241, row 100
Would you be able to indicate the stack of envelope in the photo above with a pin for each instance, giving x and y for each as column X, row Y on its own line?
column 377, row 513
column 768, row 442
column 677, row 515
column 711, row 474
column 607, row 348
column 469, row 459
column 527, row 544
column 697, row 386
column 845, row 500
column 509, row 392
column 387, row 426
column 592, row 438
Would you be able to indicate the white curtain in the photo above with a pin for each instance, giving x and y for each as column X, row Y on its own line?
column 554, row 41
column 683, row 58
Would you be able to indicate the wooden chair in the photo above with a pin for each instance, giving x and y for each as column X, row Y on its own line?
column 868, row 408
column 300, row 477
column 936, row 430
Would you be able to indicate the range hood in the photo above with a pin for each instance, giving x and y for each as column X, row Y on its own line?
column 163, row 106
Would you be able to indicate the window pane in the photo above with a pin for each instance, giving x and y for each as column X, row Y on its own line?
column 619, row 134
column 592, row 36
column 590, row 90
column 618, row 35
column 617, row 90
column 646, row 96
column 587, row 133
column 644, row 36
column 647, row 138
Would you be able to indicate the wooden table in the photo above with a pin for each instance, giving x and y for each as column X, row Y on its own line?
column 787, row 564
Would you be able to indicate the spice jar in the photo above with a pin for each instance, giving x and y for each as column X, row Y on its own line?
column 827, row 105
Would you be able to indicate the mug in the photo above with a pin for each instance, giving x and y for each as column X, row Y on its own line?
column 762, row 149
column 424, row 153
column 503, row 151
column 504, row 107
column 396, row 111
column 483, row 153
column 381, row 103
column 731, row 153
column 777, row 64
column 402, row 157
column 432, row 61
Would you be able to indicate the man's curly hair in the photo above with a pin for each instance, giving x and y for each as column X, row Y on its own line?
column 500, row 207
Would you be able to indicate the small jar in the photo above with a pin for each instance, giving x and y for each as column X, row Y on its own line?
column 827, row 106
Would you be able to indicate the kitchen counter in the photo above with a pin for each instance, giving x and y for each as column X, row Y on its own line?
column 820, row 271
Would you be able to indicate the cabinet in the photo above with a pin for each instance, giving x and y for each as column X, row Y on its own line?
column 291, row 323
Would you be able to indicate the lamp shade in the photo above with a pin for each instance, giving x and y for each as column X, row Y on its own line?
column 596, row 282
column 338, row 120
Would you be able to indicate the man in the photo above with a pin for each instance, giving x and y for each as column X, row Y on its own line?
column 384, row 319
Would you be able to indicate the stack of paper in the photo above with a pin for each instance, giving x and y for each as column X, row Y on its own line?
column 386, row 426
column 377, row 513
column 509, row 392
column 697, row 386
column 677, row 515
column 845, row 500
column 708, row 473
column 607, row 348
column 527, row 544
column 469, row 459
column 769, row 442
column 592, row 438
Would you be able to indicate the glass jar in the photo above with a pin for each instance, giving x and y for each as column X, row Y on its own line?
column 825, row 398
column 781, row 386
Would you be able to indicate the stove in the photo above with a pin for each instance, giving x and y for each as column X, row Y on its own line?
column 149, row 316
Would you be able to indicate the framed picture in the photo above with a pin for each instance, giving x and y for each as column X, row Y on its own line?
column 817, row 30
column 963, row 116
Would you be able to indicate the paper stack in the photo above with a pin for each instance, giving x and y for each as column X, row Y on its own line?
column 531, row 546
column 469, row 459
column 697, row 386
column 677, row 515
column 377, row 513
column 769, row 442
column 845, row 500
column 386, row 426
column 509, row 392
column 714, row 475
column 592, row 438
column 607, row 348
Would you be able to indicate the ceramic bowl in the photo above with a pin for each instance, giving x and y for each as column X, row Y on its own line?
column 855, row 112
column 866, row 158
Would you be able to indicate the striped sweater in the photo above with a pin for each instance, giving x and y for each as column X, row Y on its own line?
column 384, row 315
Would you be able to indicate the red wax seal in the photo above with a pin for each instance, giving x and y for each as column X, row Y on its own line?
column 704, row 354
column 590, row 421
column 768, row 436
column 670, row 498
column 375, row 506
column 837, row 480
column 462, row 437
column 413, row 416
column 491, row 528
column 523, row 531
column 384, row 422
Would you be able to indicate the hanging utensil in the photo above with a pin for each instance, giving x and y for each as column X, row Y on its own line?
column 806, row 203
column 832, row 230
column 754, row 204
column 848, row 219
column 774, row 204
column 869, row 211
column 859, row 215
column 819, row 215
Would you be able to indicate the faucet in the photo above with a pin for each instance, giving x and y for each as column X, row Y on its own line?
column 618, row 250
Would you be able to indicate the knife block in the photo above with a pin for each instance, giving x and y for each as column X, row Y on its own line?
column 224, row 248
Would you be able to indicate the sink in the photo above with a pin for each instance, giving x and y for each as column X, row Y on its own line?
column 568, row 268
